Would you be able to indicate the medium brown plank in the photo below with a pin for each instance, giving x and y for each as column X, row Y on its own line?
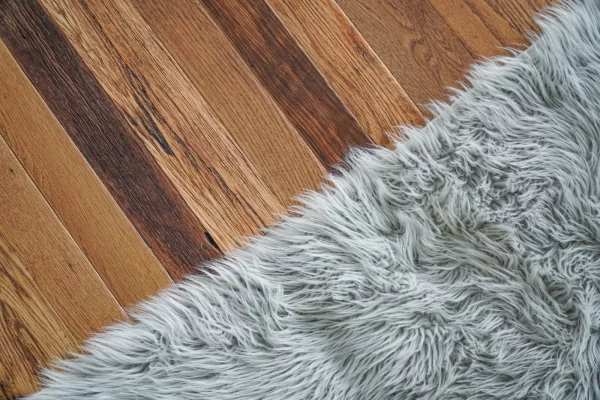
column 31, row 334
column 414, row 42
column 291, row 78
column 58, row 267
column 485, row 26
column 134, row 179
column 350, row 65
column 478, row 25
column 80, row 200
column 254, row 120
column 519, row 14
column 169, row 116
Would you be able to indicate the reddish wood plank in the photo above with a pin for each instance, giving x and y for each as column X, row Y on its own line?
column 230, row 88
column 80, row 200
column 290, row 77
column 134, row 179
column 350, row 65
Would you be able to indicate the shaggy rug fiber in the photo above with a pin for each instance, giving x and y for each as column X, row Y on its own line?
column 463, row 264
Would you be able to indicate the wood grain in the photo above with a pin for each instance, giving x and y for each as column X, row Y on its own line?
column 133, row 178
column 31, row 334
column 519, row 13
column 169, row 116
column 58, row 267
column 254, row 120
column 173, row 128
column 414, row 42
column 350, row 65
column 478, row 25
column 80, row 200
column 291, row 78
column 485, row 26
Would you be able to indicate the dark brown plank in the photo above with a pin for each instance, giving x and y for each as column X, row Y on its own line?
column 74, row 191
column 414, row 42
column 285, row 70
column 231, row 89
column 169, row 116
column 134, row 179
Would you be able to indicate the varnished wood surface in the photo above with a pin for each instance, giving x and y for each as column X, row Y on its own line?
column 141, row 138
column 350, row 65
column 190, row 143
column 243, row 105
column 290, row 76
column 74, row 95
column 78, row 197
column 422, row 52
column 31, row 334
column 56, row 264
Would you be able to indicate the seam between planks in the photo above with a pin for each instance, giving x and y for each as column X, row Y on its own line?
column 268, row 92
column 64, row 228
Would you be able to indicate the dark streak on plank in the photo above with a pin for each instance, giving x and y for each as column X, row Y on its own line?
column 80, row 104
column 289, row 75
column 141, row 97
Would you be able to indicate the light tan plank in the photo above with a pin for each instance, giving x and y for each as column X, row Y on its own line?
column 31, row 334
column 170, row 116
column 350, row 65
column 58, row 267
column 254, row 120
column 73, row 190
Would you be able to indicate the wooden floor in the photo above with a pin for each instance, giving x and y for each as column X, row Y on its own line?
column 141, row 138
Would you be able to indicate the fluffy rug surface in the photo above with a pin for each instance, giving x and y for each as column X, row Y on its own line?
column 463, row 264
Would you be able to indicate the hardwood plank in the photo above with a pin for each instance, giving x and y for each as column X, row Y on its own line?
column 133, row 178
column 519, row 13
column 484, row 25
column 58, row 267
column 478, row 25
column 350, row 65
column 169, row 116
column 285, row 70
column 31, row 334
column 414, row 42
column 254, row 120
column 80, row 200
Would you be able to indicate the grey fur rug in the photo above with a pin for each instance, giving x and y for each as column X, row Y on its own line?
column 464, row 264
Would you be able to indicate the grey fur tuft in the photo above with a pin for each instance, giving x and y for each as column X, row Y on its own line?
column 463, row 264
